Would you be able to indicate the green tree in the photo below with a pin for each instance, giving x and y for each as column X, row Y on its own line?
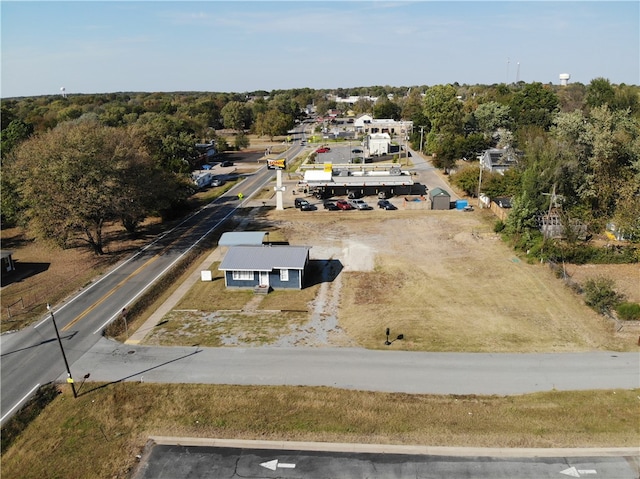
column 16, row 132
column 273, row 123
column 535, row 105
column 600, row 294
column 74, row 179
column 600, row 92
column 491, row 116
column 235, row 115
column 385, row 108
column 467, row 179
column 169, row 141
column 443, row 109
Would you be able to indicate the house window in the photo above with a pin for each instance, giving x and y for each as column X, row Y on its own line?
column 243, row 275
column 284, row 275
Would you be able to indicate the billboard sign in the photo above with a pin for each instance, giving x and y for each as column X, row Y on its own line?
column 277, row 164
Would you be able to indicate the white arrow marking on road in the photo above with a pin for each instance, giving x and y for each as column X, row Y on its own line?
column 275, row 464
column 573, row 472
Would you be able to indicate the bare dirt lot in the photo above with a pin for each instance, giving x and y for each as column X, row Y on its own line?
column 446, row 282
column 442, row 279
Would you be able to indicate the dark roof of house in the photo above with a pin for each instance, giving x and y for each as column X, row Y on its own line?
column 264, row 258
column 499, row 157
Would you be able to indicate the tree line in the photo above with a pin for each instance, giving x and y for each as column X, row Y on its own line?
column 72, row 164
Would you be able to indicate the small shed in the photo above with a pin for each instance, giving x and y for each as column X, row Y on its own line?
column 275, row 266
column 8, row 264
column 440, row 199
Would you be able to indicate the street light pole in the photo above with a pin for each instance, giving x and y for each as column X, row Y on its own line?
column 64, row 356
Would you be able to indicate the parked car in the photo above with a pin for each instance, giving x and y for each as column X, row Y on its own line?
column 358, row 204
column 300, row 202
column 308, row 207
column 356, row 150
column 343, row 205
column 352, row 195
column 217, row 182
column 227, row 163
column 324, row 149
column 330, row 205
column 386, row 205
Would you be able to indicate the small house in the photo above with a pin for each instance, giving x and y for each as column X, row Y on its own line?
column 498, row 160
column 267, row 266
column 440, row 199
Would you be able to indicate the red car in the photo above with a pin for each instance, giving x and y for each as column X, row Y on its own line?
column 343, row 205
column 324, row 149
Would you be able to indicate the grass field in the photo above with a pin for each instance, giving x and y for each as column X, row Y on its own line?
column 100, row 433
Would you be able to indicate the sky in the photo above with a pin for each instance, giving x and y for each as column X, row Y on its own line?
column 240, row 46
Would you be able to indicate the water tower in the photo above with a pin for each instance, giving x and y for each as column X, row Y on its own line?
column 564, row 78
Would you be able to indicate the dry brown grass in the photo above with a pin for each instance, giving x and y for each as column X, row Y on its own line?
column 48, row 274
column 100, row 433
column 448, row 283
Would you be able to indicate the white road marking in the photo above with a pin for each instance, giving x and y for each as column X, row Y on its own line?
column 273, row 465
column 19, row 402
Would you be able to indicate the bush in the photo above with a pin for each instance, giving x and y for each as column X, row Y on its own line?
column 628, row 311
column 600, row 294
column 499, row 226
column 589, row 254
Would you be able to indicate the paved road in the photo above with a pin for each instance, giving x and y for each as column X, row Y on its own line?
column 361, row 369
column 387, row 462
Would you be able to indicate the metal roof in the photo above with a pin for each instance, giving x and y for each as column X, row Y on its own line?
column 264, row 258
column 347, row 175
column 438, row 192
column 235, row 238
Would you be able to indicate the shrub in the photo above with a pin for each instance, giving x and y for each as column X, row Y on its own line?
column 600, row 294
column 628, row 311
column 499, row 226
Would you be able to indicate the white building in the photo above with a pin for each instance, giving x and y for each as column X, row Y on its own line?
column 367, row 124
column 377, row 144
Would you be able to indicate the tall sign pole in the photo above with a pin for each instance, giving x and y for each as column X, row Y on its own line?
column 279, row 165
column 279, row 190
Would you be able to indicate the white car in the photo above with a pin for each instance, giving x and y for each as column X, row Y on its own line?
column 358, row 204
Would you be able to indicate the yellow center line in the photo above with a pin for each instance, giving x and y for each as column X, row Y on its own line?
column 113, row 290
column 121, row 283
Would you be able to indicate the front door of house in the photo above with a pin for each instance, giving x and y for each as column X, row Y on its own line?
column 264, row 278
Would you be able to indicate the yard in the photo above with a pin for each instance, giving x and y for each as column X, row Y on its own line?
column 443, row 279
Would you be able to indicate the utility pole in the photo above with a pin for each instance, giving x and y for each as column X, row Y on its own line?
column 64, row 356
